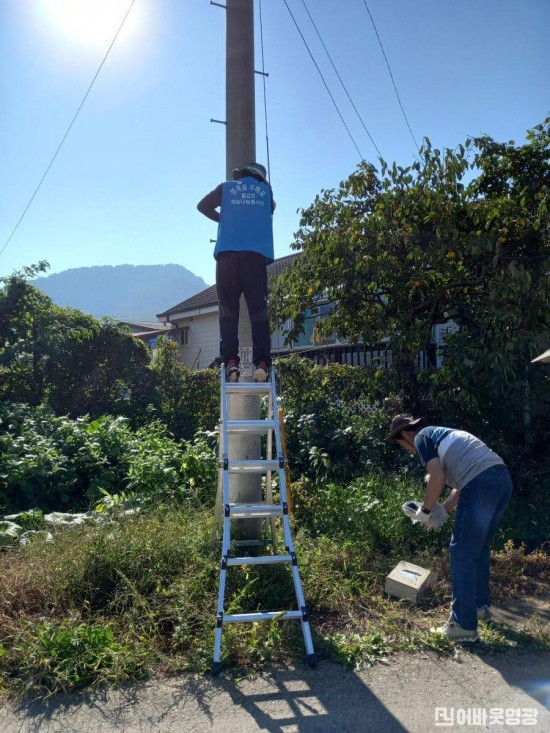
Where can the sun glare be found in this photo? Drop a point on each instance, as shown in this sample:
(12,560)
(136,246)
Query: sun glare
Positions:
(88,23)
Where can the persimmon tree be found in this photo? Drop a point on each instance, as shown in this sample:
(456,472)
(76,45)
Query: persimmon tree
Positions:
(459,234)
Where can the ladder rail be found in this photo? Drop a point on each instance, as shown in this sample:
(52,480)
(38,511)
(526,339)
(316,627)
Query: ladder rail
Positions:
(282,474)
(224,440)
(218,504)
(222,443)
(289,544)
(268,481)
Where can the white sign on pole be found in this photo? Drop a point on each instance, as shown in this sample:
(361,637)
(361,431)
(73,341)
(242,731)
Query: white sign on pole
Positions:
(246,366)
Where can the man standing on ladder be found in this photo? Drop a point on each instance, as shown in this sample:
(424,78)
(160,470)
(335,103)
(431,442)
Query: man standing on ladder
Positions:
(244,248)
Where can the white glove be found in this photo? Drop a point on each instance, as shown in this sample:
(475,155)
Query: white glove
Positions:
(434,520)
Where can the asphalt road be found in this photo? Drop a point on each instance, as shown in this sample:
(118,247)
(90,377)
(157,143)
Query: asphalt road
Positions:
(417,694)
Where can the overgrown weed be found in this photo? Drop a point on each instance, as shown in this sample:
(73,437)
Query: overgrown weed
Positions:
(112,603)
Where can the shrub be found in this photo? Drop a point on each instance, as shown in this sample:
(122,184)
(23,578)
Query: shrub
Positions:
(188,401)
(47,461)
(334,432)
(368,510)
(69,656)
(60,464)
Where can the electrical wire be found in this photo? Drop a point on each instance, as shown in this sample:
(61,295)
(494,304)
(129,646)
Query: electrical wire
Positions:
(68,130)
(391,75)
(265,94)
(340,79)
(323,79)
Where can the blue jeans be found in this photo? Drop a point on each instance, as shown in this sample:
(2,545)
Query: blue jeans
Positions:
(480,508)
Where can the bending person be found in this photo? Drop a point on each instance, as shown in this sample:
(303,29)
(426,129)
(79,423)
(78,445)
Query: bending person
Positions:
(481,489)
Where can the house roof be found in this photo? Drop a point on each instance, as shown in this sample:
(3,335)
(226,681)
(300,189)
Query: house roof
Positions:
(144,330)
(151,334)
(277,267)
(200,300)
(142,326)
(209,297)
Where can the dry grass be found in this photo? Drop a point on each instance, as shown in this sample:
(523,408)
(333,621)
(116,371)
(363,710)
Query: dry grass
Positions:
(147,589)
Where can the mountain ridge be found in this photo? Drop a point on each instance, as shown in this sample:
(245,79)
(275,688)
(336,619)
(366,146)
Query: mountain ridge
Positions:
(124,292)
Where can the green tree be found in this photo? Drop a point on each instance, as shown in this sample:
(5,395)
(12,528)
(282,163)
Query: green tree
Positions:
(22,340)
(188,401)
(458,234)
(65,358)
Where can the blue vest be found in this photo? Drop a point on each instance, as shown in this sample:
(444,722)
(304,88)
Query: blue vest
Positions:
(245,218)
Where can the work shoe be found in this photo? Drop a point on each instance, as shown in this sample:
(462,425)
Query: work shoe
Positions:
(262,372)
(232,372)
(484,613)
(454,632)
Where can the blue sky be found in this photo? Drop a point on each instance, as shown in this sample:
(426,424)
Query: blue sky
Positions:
(142,151)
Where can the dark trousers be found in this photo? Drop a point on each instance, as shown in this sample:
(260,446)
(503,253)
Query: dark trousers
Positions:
(236,273)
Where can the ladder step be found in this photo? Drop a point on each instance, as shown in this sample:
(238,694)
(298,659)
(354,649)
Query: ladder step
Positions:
(251,543)
(232,618)
(264,560)
(260,466)
(255,510)
(250,426)
(248,387)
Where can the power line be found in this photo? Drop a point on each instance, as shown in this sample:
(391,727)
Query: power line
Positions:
(391,75)
(265,94)
(340,79)
(323,80)
(68,130)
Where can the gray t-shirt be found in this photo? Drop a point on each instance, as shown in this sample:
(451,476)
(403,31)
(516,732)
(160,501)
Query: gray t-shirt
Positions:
(462,455)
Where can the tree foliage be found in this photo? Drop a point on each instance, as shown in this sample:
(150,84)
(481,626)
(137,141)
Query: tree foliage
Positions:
(333,430)
(67,359)
(79,365)
(187,401)
(461,234)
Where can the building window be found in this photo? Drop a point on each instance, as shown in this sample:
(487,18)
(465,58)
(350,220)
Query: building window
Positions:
(184,335)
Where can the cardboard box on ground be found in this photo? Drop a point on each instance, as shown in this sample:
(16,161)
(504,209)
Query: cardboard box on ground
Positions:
(409,581)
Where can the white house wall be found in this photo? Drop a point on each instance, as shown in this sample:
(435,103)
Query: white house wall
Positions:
(203,342)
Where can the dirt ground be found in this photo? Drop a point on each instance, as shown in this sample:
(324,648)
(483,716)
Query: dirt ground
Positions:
(420,693)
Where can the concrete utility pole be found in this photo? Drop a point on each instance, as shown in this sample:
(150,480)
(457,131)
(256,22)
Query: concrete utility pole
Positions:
(240,102)
(240,150)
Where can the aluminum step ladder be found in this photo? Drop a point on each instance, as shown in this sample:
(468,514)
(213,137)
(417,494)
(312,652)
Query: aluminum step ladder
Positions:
(226,511)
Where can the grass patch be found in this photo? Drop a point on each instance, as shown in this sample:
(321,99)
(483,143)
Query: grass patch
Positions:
(137,597)
(71,655)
